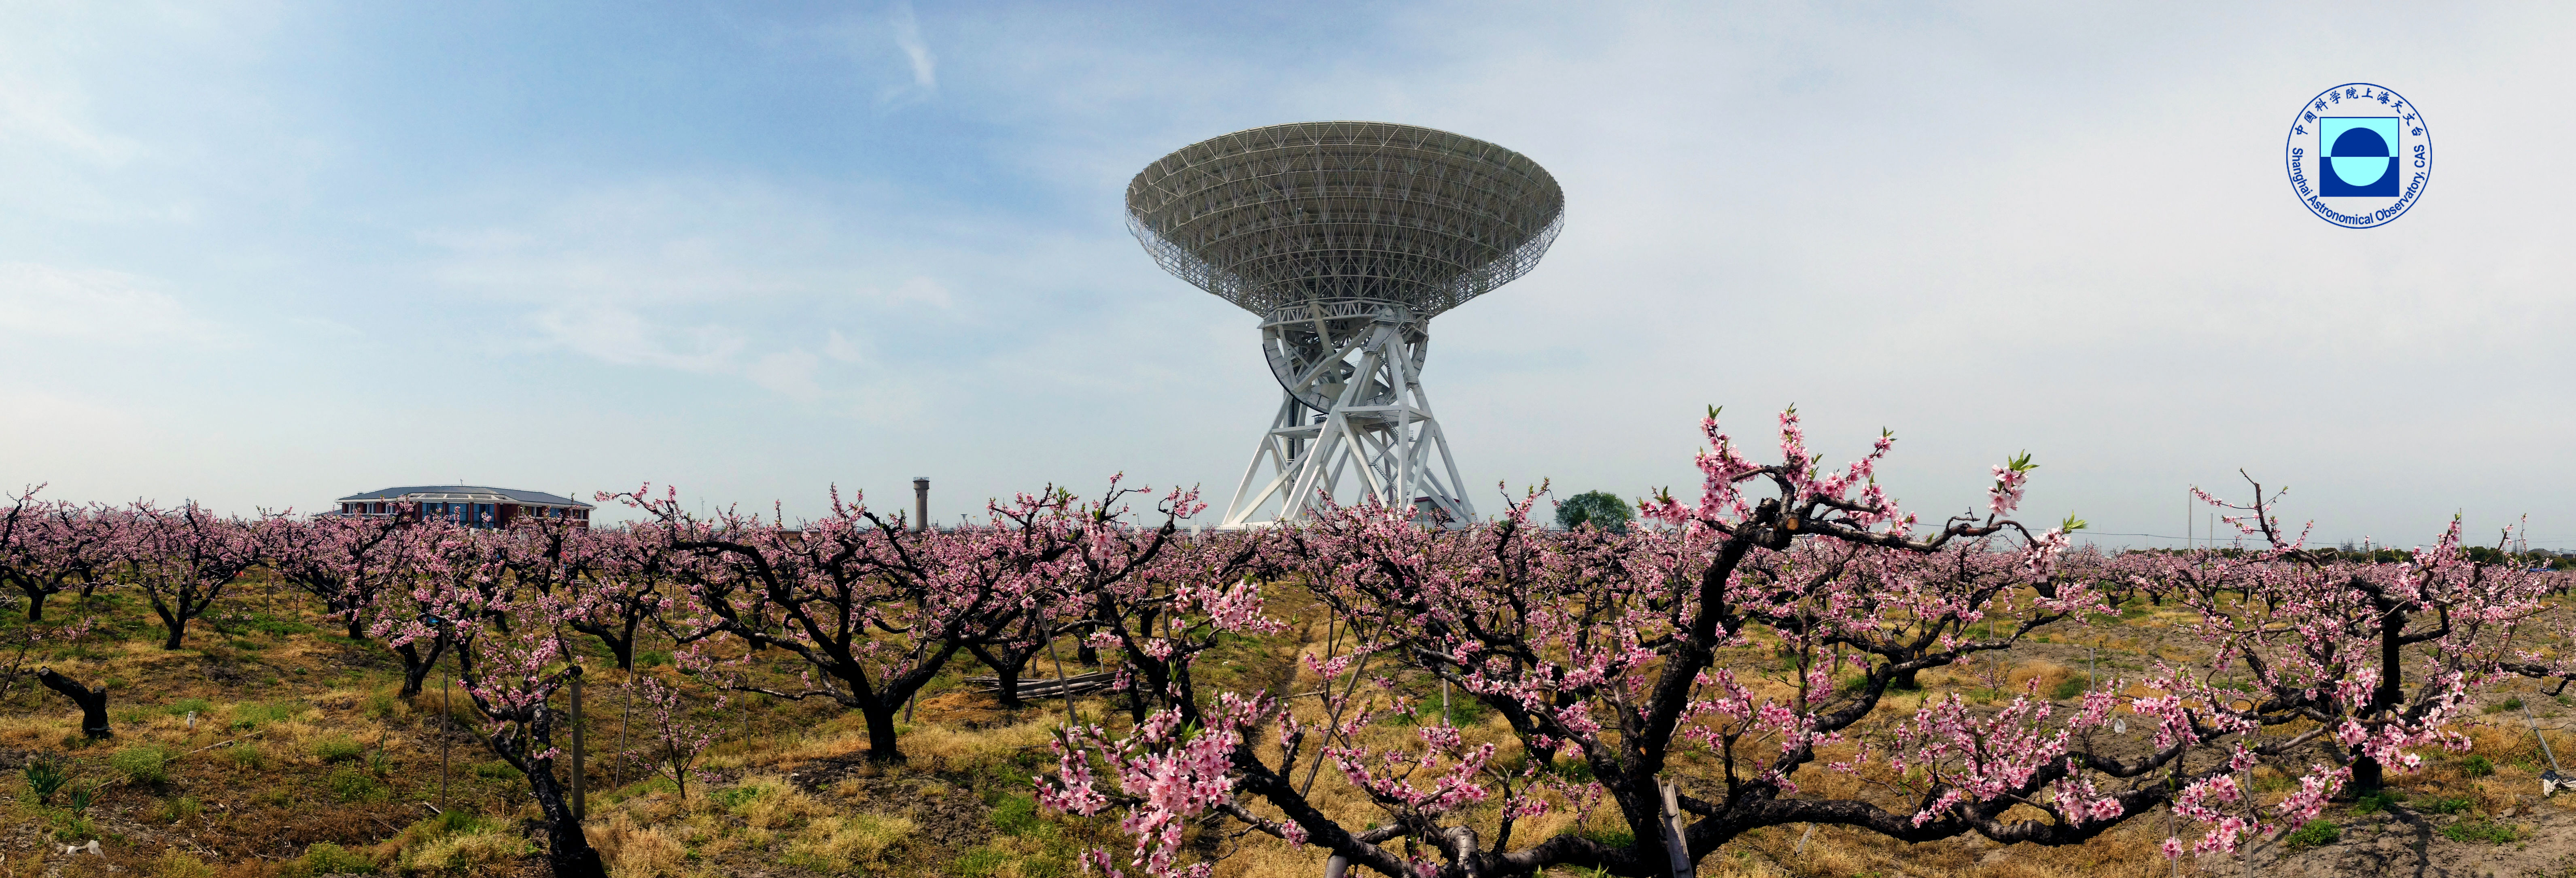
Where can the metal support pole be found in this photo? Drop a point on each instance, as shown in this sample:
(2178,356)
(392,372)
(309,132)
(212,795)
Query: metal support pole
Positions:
(1060,685)
(2551,781)
(580,766)
(920,503)
(447,724)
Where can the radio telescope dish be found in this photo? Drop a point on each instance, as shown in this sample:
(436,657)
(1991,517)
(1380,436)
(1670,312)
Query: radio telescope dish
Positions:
(1347,238)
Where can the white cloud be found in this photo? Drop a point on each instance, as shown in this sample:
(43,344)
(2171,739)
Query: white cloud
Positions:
(719,278)
(621,336)
(925,76)
(840,347)
(96,305)
(790,373)
(917,290)
(32,110)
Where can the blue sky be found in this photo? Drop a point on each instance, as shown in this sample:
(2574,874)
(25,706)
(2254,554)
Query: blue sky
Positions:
(267,254)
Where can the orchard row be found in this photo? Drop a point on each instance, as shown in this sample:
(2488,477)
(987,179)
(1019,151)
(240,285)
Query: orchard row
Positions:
(1602,655)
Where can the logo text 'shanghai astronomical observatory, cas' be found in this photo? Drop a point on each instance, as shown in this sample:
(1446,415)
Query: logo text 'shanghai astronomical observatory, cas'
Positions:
(1346,238)
(2359,155)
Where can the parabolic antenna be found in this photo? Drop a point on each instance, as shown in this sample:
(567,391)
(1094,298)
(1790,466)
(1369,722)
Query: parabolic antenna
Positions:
(1346,238)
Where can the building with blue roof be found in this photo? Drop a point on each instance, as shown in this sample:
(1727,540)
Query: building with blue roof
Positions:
(469,505)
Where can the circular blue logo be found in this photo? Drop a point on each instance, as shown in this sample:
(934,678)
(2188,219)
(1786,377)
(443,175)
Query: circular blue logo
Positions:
(2359,155)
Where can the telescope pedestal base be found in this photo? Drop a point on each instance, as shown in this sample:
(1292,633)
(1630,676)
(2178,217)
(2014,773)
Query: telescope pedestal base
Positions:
(1391,447)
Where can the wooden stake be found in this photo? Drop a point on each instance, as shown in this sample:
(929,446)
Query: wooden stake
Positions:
(617,770)
(1673,843)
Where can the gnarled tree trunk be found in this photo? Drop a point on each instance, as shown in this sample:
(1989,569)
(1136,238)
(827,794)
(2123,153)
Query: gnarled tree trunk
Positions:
(93,702)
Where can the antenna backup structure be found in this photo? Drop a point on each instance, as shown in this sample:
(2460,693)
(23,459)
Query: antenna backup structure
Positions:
(1346,238)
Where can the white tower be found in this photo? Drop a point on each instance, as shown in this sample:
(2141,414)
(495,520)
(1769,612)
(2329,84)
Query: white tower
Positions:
(1346,238)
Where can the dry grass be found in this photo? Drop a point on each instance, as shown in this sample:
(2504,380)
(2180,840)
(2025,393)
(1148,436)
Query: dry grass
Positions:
(635,851)
(484,852)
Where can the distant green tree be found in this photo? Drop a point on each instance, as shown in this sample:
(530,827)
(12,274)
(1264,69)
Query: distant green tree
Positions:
(1600,509)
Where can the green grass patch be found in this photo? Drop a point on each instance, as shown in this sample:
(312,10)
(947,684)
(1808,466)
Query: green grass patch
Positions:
(141,765)
(2071,687)
(496,770)
(71,826)
(272,625)
(1003,779)
(185,706)
(645,787)
(2477,766)
(249,716)
(246,756)
(176,863)
(338,749)
(733,797)
(1612,838)
(2487,831)
(325,858)
(2316,833)
(1018,815)
(180,808)
(2377,800)
(352,785)
(80,651)
(981,862)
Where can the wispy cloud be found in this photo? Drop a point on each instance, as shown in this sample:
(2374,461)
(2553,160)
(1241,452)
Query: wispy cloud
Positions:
(618,335)
(703,277)
(96,305)
(925,66)
(52,117)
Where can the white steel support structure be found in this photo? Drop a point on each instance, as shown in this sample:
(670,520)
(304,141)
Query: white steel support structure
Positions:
(1351,406)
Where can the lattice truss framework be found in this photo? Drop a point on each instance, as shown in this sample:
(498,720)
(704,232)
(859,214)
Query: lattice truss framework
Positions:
(1347,238)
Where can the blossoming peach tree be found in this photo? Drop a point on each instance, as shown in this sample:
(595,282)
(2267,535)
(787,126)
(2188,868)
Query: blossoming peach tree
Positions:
(1745,651)
(346,562)
(512,657)
(2376,661)
(181,559)
(48,547)
(872,609)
